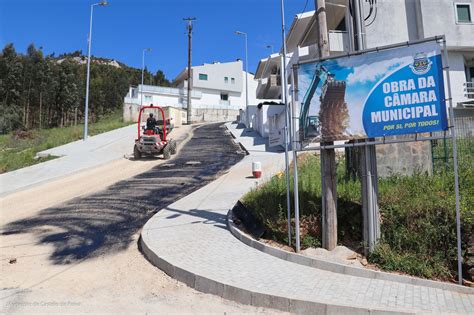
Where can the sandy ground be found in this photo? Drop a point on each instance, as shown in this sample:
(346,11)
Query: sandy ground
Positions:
(120,282)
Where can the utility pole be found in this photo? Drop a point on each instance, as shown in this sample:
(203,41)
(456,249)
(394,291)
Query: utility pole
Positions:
(368,159)
(190,43)
(328,156)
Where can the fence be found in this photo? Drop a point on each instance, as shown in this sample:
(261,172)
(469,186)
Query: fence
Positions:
(442,152)
(415,155)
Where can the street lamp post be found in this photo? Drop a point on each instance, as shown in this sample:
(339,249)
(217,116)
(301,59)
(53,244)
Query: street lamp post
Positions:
(246,78)
(143,71)
(86,110)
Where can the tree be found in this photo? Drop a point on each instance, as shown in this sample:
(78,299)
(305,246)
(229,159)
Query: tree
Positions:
(67,94)
(38,91)
(160,79)
(11,70)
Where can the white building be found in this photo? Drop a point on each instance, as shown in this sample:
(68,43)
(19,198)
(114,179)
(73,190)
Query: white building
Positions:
(395,21)
(406,20)
(392,21)
(218,92)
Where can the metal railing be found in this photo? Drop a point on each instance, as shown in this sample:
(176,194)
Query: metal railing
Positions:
(442,148)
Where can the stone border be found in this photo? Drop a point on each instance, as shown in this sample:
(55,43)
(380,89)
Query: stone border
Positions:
(258,299)
(236,142)
(336,267)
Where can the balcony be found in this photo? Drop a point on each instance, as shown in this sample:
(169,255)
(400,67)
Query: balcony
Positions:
(273,86)
(270,87)
(338,41)
(469,90)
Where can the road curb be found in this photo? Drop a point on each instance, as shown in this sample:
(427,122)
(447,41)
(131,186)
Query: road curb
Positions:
(245,296)
(336,267)
(234,139)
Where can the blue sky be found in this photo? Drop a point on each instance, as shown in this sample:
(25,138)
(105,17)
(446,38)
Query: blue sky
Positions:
(125,27)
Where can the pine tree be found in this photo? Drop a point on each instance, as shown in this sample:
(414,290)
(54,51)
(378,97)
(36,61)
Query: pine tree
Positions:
(48,91)
(160,79)
(11,70)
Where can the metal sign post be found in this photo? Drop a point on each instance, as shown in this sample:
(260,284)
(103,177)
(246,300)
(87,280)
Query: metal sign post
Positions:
(368,161)
(284,98)
(455,161)
(295,161)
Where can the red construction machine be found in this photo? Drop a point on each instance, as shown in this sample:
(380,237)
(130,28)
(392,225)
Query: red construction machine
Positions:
(152,134)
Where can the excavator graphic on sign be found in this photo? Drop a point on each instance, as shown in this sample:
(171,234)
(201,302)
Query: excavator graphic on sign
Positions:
(333,116)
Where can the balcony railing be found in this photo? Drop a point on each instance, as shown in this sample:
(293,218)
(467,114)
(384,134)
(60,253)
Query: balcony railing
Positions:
(161,90)
(274,80)
(468,89)
(338,41)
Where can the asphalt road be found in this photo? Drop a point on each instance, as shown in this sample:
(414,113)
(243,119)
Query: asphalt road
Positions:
(82,255)
(105,221)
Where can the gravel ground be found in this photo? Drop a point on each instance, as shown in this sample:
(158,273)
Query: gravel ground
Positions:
(81,255)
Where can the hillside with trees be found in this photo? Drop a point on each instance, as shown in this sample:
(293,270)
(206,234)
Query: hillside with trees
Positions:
(40,91)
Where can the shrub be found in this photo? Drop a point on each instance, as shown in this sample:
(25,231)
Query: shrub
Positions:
(418,215)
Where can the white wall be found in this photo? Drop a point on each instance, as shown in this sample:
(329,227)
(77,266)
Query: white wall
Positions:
(253,100)
(408,20)
(415,19)
(458,76)
(161,100)
(395,18)
(216,73)
(212,98)
(439,17)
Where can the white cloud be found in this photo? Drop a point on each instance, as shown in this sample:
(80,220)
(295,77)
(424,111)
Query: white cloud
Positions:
(374,71)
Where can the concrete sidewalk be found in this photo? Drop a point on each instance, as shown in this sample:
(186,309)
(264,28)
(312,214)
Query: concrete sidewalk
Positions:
(190,241)
(78,156)
(74,157)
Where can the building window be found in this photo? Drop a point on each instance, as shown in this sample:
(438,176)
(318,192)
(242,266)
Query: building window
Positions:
(232,80)
(226,79)
(463,13)
(148,97)
(224,97)
(203,76)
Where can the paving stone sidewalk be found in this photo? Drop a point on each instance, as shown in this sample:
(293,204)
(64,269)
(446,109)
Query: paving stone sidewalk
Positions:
(190,241)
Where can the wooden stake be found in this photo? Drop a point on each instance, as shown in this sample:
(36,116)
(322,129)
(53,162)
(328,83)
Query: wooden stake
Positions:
(328,156)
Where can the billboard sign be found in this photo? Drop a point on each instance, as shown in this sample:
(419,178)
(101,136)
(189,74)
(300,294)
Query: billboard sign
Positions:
(390,92)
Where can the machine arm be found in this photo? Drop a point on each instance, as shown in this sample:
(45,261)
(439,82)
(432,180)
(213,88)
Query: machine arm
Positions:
(320,72)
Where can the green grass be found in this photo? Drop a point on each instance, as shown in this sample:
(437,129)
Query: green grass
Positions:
(418,215)
(18,149)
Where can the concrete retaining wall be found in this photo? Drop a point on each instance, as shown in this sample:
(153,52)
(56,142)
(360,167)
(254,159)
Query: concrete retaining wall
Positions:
(210,115)
(404,158)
